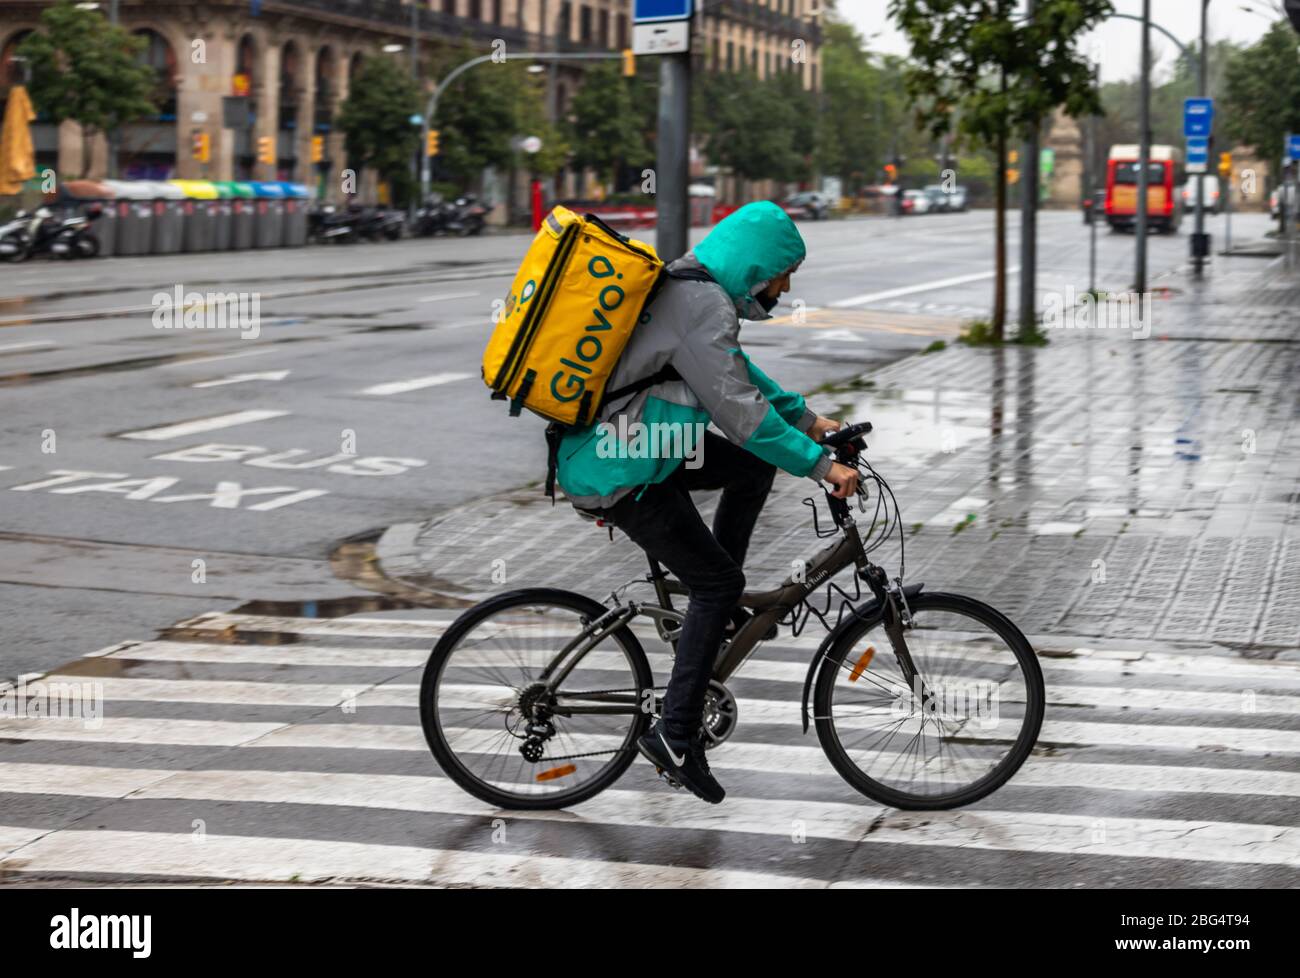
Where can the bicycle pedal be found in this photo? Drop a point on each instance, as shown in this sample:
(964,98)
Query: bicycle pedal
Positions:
(664,776)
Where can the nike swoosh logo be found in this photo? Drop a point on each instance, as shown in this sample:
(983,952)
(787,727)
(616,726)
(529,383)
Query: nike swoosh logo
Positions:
(679,761)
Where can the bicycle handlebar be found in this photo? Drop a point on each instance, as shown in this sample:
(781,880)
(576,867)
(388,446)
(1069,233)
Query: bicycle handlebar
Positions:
(847,434)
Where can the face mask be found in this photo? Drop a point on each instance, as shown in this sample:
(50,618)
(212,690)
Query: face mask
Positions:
(767,302)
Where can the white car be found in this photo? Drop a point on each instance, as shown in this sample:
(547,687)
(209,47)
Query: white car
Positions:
(1213,201)
(916,202)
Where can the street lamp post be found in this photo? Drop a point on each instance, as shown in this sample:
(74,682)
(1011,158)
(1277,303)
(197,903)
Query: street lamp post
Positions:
(1029,178)
(1198,257)
(431,107)
(1144,152)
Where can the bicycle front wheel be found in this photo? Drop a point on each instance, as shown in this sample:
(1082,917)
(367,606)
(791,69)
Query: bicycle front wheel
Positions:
(953,734)
(519,725)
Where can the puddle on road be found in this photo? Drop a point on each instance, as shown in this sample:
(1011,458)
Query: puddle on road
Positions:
(912,424)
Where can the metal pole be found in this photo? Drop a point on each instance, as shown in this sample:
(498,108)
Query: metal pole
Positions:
(114,135)
(411,202)
(1227,212)
(1144,153)
(672,166)
(1029,170)
(1198,262)
(431,107)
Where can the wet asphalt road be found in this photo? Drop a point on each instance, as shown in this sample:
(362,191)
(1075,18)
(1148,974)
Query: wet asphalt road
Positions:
(150,474)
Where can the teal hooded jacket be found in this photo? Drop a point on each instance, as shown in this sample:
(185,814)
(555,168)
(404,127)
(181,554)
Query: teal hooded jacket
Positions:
(694,326)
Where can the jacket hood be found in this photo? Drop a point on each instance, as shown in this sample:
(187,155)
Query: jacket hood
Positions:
(749,248)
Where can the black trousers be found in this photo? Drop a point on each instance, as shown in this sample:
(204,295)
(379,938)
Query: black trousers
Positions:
(666,525)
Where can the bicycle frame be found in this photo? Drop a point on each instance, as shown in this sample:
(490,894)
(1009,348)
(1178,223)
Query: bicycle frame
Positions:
(768,608)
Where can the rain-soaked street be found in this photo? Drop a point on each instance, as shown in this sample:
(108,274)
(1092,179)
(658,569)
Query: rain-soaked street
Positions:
(247,545)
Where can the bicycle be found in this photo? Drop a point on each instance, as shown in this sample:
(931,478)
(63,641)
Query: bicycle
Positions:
(535,699)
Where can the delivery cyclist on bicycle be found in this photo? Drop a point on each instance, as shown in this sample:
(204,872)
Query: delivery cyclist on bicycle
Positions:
(689,340)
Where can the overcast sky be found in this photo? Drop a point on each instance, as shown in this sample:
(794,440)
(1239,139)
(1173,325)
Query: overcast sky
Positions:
(1117,42)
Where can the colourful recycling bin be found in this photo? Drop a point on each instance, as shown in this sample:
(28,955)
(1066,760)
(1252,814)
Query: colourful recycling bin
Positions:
(296,199)
(199,209)
(134,208)
(270,215)
(168,217)
(243,213)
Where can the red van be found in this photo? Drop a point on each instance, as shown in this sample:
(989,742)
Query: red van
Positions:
(1164,204)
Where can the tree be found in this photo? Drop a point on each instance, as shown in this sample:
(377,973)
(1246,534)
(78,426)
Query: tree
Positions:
(1001,78)
(477,115)
(87,70)
(376,121)
(751,126)
(604,127)
(531,120)
(1262,99)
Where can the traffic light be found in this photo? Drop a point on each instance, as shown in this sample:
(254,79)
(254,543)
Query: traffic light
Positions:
(201,146)
(266,150)
(1013,157)
(1225,164)
(629,63)
(317,149)
(891,173)
(432,148)
(1013,176)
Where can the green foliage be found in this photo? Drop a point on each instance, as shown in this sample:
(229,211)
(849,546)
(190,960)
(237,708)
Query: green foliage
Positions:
(935,347)
(758,128)
(865,116)
(960,47)
(530,120)
(604,128)
(1261,103)
(477,115)
(978,70)
(979,332)
(375,119)
(87,70)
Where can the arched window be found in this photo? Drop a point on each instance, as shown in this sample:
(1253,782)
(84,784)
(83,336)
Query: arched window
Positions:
(290,80)
(159,56)
(324,89)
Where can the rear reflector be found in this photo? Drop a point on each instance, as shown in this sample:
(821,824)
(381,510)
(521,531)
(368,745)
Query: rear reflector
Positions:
(557,772)
(860,666)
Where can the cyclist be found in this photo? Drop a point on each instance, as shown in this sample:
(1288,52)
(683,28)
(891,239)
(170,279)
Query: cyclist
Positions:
(689,344)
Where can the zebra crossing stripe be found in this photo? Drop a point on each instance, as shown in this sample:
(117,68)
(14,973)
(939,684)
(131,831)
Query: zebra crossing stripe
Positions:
(356,627)
(1039,832)
(308,860)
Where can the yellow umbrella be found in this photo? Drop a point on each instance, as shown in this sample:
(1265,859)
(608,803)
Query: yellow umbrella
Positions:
(17,156)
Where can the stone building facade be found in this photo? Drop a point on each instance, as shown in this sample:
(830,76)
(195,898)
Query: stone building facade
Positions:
(293,61)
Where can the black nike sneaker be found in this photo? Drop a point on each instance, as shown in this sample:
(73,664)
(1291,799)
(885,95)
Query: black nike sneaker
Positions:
(681,763)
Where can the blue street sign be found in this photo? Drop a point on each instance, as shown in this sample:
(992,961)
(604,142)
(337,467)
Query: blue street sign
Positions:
(1198,116)
(1198,153)
(650,11)
(1293,148)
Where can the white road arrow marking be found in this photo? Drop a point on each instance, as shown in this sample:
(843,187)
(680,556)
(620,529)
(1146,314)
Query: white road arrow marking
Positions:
(414,384)
(183,428)
(243,378)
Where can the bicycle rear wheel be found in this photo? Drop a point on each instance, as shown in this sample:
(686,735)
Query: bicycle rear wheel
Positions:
(498,728)
(951,738)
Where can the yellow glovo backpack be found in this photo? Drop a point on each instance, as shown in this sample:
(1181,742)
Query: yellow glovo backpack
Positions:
(577,297)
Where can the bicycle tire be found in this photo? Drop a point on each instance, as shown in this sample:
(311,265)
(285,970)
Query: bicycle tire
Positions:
(447,758)
(1035,697)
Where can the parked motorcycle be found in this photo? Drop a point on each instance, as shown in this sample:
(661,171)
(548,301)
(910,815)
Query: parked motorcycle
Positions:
(379,223)
(42,231)
(462,216)
(354,223)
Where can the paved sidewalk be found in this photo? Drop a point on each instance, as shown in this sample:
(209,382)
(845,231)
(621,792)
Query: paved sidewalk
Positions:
(1101,487)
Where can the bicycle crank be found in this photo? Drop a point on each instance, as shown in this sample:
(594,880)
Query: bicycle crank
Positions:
(720,715)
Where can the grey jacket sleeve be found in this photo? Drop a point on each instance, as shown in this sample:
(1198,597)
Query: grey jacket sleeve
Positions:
(709,361)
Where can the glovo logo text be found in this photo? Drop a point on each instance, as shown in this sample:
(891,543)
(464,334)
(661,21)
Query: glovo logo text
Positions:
(570,381)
